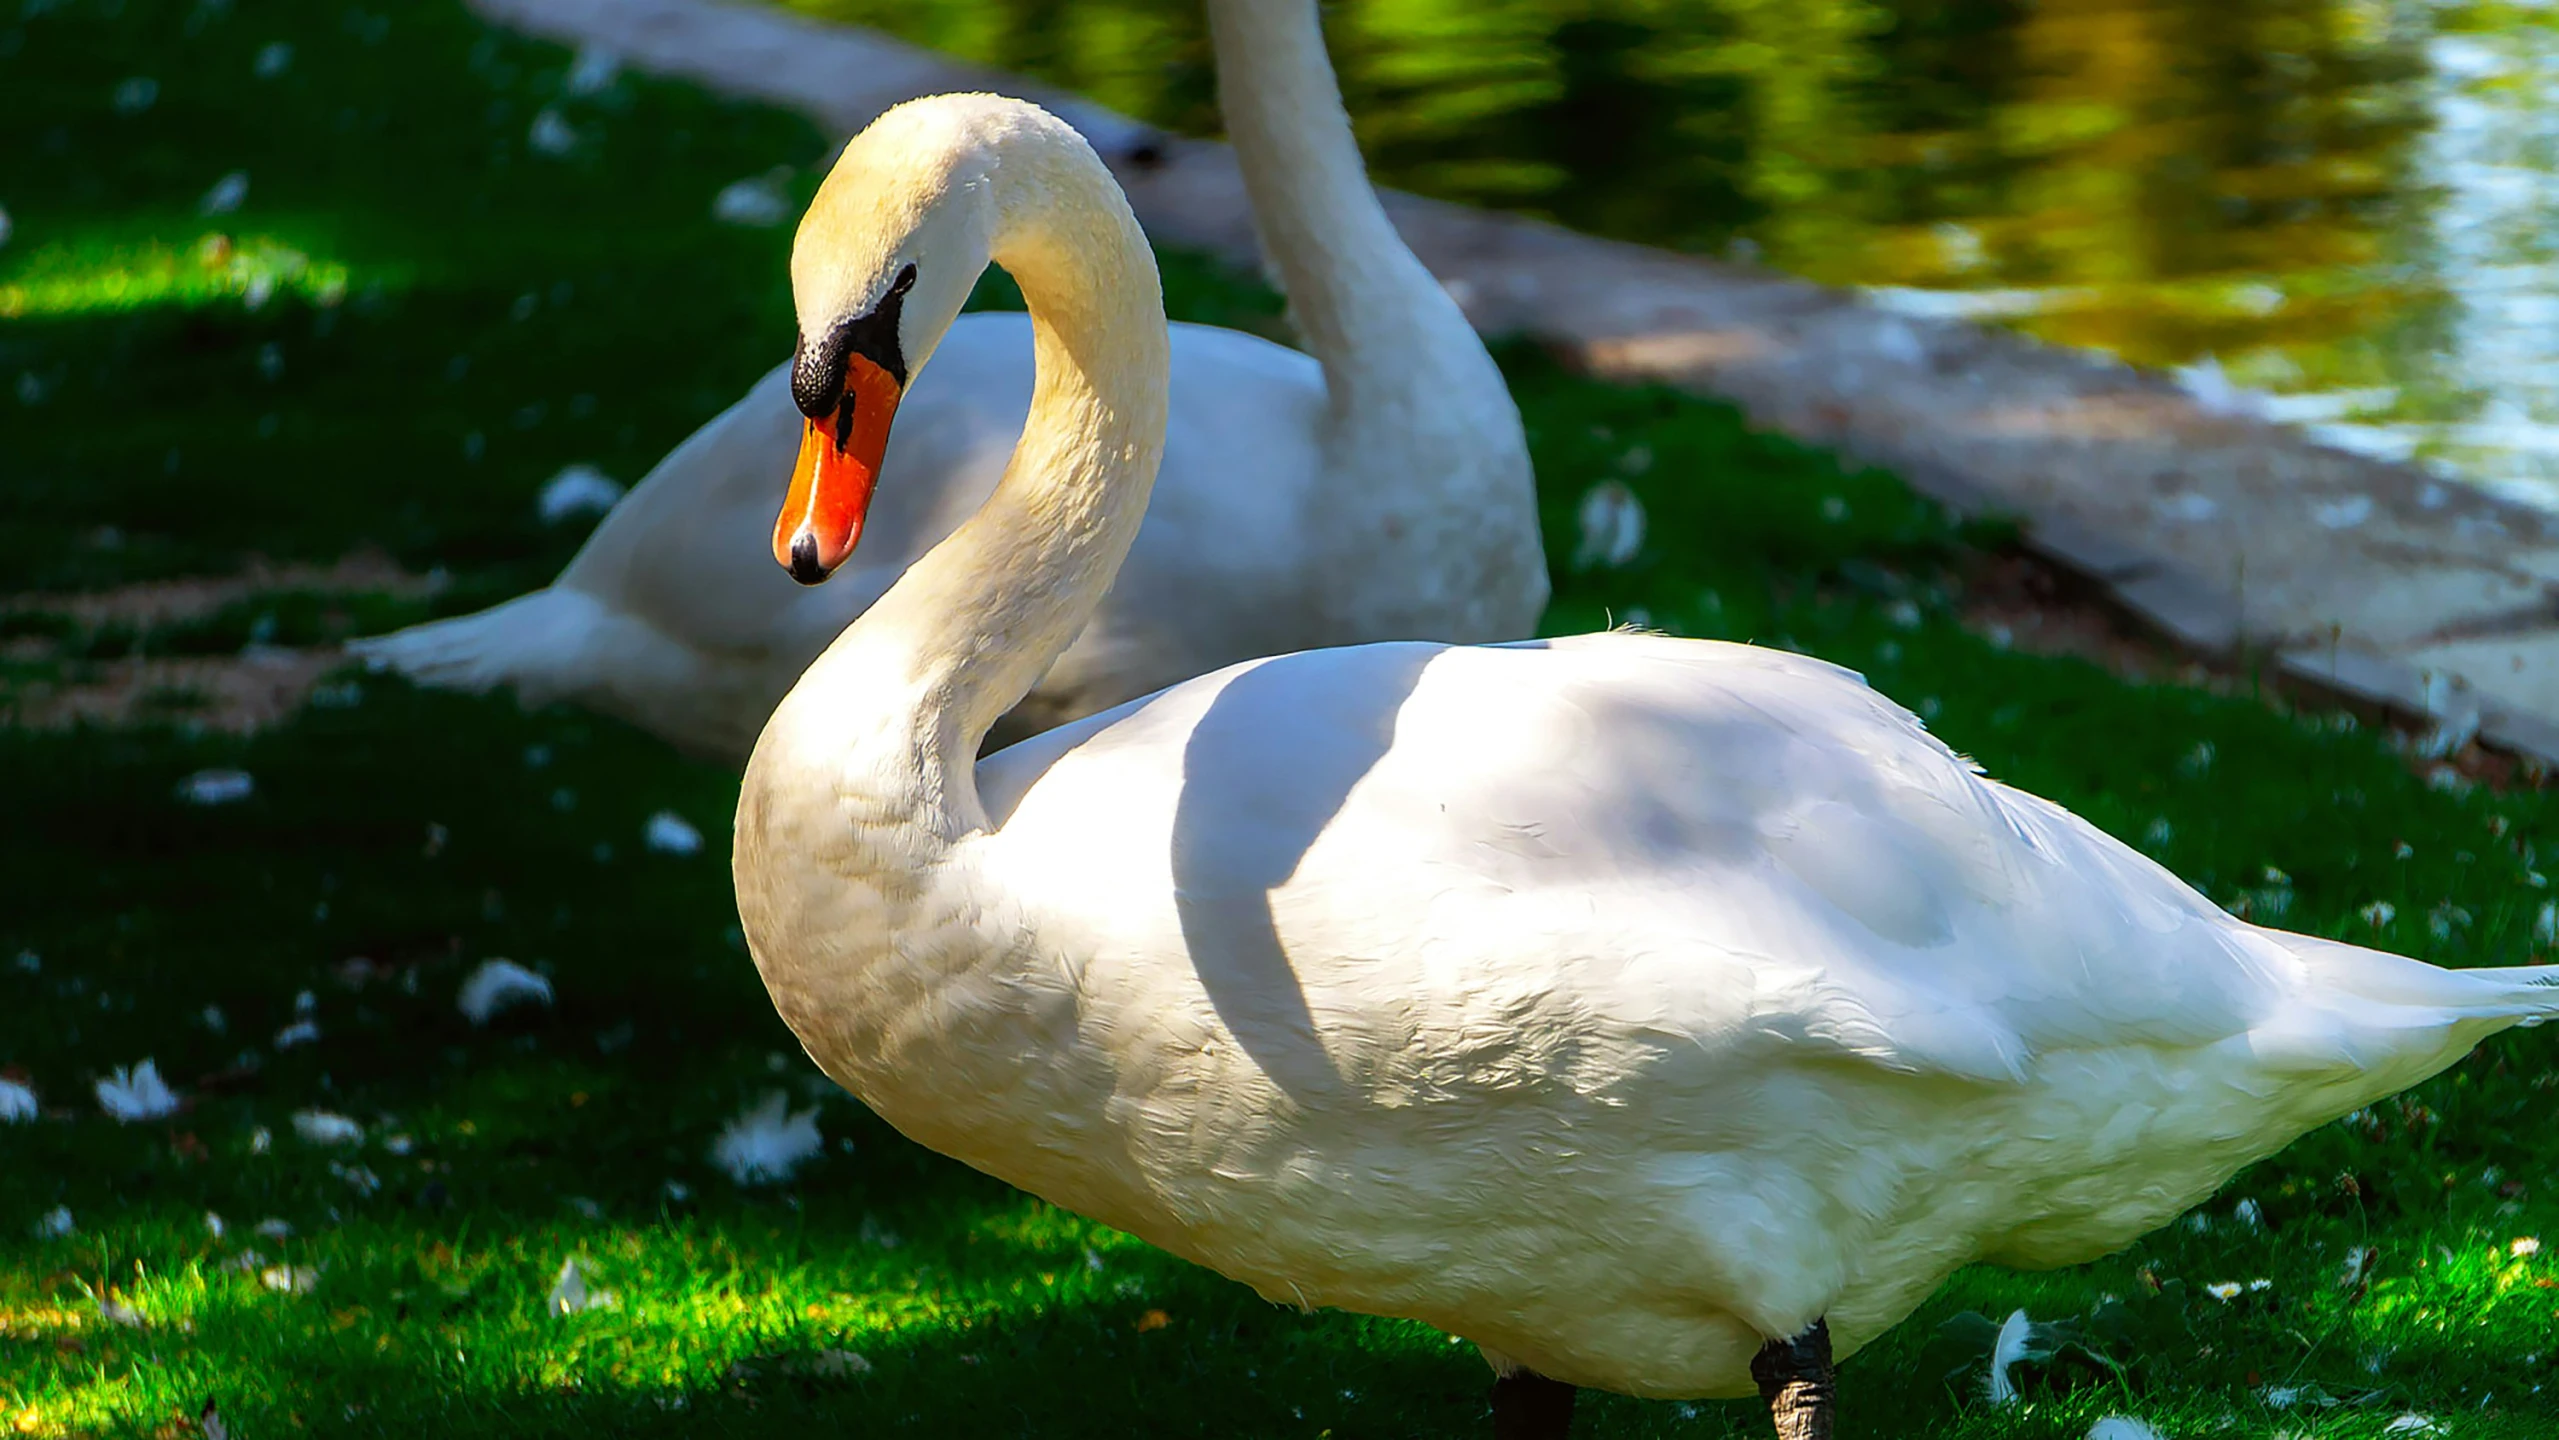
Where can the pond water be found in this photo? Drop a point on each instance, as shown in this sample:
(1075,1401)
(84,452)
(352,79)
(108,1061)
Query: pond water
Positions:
(2336,212)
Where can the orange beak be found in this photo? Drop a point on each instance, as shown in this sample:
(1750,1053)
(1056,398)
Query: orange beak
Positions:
(838,468)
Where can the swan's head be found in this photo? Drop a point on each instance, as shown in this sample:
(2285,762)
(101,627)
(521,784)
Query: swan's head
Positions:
(884,259)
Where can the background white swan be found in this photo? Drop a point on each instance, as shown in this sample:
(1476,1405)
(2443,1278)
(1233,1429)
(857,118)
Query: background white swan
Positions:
(1661,1015)
(1378,490)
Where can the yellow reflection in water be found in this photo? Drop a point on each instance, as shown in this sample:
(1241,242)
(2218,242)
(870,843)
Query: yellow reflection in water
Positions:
(2350,202)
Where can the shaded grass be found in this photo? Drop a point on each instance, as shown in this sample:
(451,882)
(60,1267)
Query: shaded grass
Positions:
(587,308)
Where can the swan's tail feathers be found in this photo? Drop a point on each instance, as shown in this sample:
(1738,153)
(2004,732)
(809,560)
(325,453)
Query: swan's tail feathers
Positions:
(536,644)
(2533,990)
(2526,994)
(2390,1020)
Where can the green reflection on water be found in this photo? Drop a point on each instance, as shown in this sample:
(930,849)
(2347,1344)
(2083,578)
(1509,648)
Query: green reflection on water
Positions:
(2346,202)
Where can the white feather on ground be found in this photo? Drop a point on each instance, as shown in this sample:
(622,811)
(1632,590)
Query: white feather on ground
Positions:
(758,202)
(671,834)
(136,1095)
(2009,1349)
(766,1144)
(577,490)
(2122,1427)
(592,71)
(573,1291)
(551,134)
(226,194)
(220,786)
(1612,526)
(322,1127)
(17,1103)
(500,985)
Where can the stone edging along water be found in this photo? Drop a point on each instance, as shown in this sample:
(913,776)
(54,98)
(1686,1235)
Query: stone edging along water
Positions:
(2375,580)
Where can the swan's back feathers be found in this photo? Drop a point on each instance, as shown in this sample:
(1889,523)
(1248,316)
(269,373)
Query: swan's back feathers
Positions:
(1715,840)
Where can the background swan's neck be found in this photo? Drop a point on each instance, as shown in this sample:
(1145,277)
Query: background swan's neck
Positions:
(1424,455)
(916,682)
(1359,297)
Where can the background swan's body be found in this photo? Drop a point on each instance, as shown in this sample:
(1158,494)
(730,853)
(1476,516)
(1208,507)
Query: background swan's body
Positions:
(673,618)
(1645,1010)
(1378,490)
(1618,1003)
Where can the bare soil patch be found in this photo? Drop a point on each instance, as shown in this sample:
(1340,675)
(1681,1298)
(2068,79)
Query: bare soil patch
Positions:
(236,693)
(192,597)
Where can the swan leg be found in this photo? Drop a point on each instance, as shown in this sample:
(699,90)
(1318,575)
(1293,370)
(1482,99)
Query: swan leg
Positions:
(1528,1406)
(1795,1379)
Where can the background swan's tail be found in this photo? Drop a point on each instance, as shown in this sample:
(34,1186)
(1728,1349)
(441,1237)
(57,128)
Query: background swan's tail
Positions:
(563,644)
(538,644)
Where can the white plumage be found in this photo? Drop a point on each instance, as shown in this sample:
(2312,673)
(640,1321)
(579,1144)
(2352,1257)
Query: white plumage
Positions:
(1544,992)
(1625,1004)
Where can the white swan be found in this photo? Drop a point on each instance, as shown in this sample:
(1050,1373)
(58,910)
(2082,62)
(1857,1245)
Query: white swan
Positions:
(1661,1015)
(1380,490)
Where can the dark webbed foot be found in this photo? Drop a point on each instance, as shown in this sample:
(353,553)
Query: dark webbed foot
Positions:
(1528,1406)
(1795,1379)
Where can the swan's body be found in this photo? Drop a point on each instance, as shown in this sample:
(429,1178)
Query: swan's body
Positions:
(1619,1003)
(1634,1007)
(1379,489)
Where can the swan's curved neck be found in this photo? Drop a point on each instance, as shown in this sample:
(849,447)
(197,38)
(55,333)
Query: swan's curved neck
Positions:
(1357,294)
(903,698)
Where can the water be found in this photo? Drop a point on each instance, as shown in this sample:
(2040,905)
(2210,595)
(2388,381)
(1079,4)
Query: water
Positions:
(2336,212)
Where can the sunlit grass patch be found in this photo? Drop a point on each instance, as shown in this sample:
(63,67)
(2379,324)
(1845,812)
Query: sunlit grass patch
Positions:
(74,279)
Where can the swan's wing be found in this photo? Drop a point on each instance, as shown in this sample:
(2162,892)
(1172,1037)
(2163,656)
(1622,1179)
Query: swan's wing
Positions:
(1687,842)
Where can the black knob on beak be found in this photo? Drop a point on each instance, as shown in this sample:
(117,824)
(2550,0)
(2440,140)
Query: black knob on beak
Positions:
(804,566)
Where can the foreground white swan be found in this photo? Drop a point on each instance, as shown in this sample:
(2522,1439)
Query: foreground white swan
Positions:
(1379,490)
(1662,1016)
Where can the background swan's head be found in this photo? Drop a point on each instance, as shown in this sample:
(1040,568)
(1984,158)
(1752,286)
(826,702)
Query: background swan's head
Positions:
(885,257)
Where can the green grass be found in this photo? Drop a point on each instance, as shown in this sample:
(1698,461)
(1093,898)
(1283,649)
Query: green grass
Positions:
(452,284)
